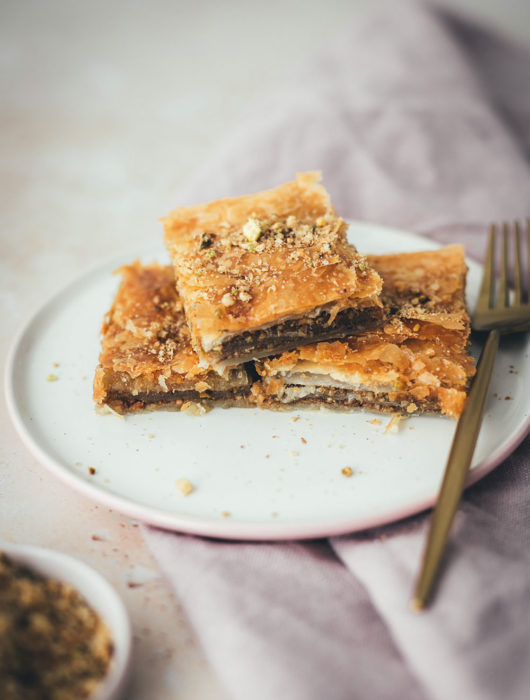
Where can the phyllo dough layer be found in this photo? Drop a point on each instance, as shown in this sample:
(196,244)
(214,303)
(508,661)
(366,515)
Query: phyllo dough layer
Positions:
(146,359)
(262,273)
(418,362)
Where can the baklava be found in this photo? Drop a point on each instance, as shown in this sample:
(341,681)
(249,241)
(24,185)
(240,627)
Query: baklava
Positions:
(146,359)
(264,273)
(418,362)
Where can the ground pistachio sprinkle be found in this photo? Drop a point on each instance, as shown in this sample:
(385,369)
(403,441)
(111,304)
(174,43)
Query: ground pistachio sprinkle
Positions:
(53,646)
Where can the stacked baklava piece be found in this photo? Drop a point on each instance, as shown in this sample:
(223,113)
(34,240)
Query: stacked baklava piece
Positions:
(266,303)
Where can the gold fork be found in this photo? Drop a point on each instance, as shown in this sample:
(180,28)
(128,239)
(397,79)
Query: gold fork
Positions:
(509,314)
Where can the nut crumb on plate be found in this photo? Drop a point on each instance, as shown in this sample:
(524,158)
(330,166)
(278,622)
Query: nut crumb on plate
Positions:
(393,424)
(184,486)
(194,409)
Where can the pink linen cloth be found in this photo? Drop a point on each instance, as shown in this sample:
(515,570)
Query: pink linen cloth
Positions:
(421,120)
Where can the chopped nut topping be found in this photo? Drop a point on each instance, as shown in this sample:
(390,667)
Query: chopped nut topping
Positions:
(184,486)
(202,386)
(206,240)
(228,299)
(252,230)
(263,235)
(244,296)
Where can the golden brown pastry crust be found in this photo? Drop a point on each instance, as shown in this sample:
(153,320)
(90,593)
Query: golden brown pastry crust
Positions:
(428,285)
(254,261)
(417,362)
(146,357)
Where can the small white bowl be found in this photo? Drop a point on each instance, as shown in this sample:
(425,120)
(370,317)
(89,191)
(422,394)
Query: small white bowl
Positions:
(98,593)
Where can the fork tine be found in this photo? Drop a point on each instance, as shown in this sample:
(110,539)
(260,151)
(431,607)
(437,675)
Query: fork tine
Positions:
(486,288)
(518,297)
(502,299)
(528,261)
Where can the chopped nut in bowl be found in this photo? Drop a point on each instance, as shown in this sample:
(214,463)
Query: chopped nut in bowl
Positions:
(64,631)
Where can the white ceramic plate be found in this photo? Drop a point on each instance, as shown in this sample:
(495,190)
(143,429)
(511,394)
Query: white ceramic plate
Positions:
(98,593)
(254,477)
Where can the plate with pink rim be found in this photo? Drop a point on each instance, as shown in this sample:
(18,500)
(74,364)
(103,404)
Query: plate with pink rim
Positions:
(257,474)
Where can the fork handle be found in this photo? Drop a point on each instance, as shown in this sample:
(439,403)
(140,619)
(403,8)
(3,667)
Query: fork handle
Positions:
(456,470)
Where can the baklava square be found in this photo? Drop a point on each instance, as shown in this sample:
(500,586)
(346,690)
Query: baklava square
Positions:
(418,362)
(146,358)
(264,273)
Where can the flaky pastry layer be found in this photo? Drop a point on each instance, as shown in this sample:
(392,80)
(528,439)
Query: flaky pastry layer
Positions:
(418,362)
(146,358)
(247,264)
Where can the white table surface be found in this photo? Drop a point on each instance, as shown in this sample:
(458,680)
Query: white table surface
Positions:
(106,110)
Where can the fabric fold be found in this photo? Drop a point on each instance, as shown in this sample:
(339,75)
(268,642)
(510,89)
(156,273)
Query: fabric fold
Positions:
(473,642)
(283,620)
